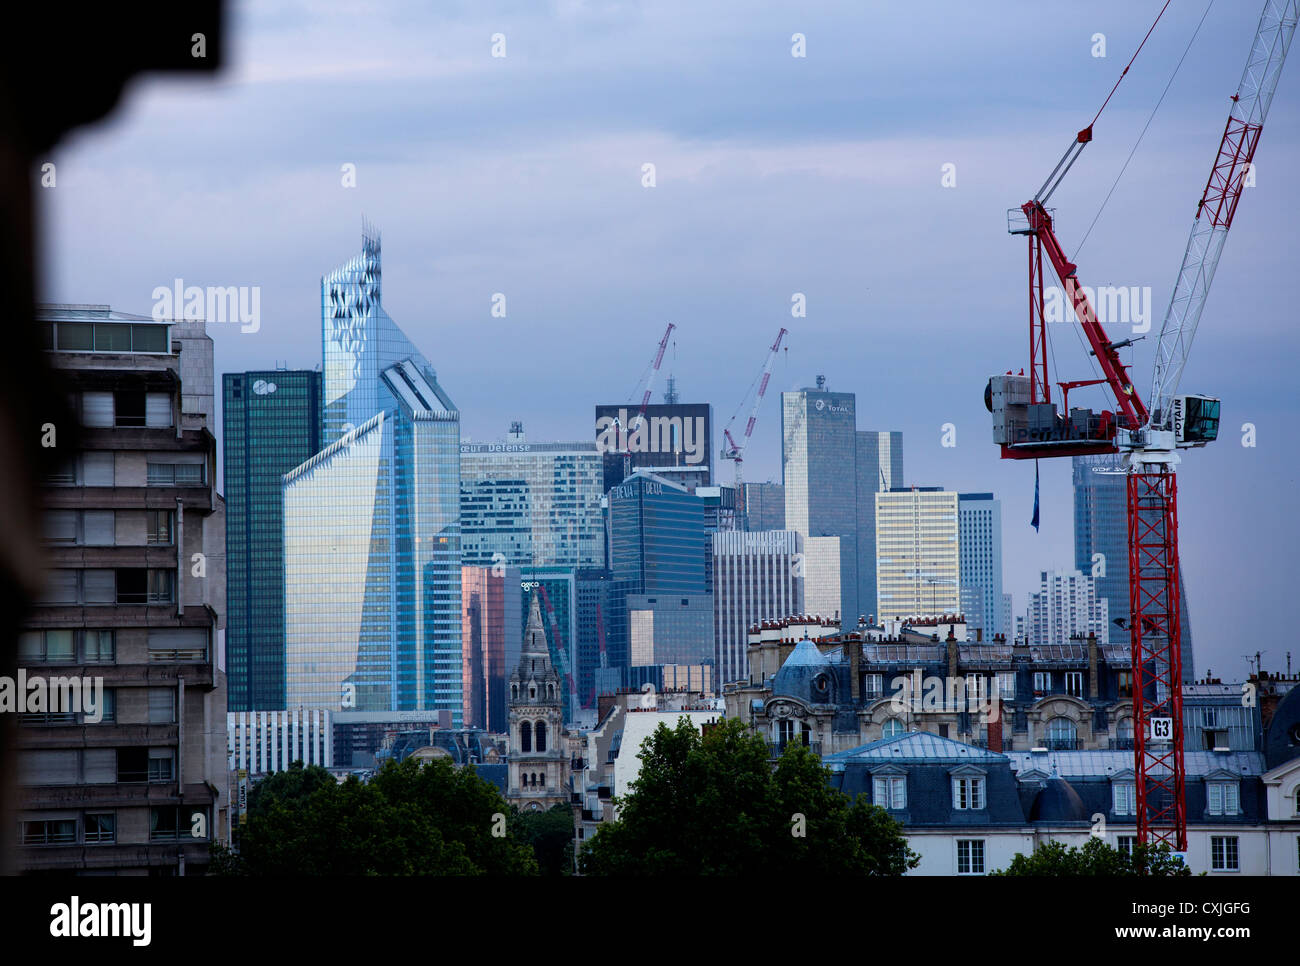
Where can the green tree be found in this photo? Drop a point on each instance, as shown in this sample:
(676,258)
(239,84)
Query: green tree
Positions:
(1097,858)
(410,819)
(712,804)
(549,834)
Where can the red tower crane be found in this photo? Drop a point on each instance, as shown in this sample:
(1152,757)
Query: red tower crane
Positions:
(1027,425)
(736,452)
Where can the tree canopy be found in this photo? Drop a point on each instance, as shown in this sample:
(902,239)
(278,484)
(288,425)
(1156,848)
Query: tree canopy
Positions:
(712,804)
(1097,858)
(409,819)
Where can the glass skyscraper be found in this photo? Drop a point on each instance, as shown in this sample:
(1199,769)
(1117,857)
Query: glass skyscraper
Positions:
(372,522)
(1101,528)
(531,503)
(272,423)
(819,470)
(657,533)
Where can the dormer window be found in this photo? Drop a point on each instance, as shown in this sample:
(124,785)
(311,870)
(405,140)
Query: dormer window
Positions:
(968,793)
(1123,798)
(1223,797)
(532,691)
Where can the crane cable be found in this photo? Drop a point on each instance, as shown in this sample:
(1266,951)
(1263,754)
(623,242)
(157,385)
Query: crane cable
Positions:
(1136,144)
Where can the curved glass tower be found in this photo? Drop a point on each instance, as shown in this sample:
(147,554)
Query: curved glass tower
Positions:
(372,522)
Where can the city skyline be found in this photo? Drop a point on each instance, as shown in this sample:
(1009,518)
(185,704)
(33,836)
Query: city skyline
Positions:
(816,166)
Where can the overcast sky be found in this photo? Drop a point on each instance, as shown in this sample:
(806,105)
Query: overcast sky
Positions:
(775,174)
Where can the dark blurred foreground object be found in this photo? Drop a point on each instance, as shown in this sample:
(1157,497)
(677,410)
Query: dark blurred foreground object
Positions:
(62,66)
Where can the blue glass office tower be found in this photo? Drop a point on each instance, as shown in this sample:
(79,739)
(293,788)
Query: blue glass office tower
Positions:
(657,533)
(979,527)
(1101,527)
(271,423)
(372,522)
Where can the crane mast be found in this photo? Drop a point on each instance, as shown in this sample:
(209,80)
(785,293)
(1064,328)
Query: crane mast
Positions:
(1179,422)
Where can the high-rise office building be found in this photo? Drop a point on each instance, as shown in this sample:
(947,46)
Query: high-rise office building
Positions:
(491,597)
(372,522)
(764,506)
(670,641)
(756,577)
(918,564)
(879,469)
(979,529)
(530,503)
(602,651)
(657,535)
(819,471)
(823,584)
(1066,605)
(669,435)
(1101,542)
(272,423)
(127,774)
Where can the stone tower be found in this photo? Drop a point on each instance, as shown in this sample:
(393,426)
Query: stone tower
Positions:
(538,760)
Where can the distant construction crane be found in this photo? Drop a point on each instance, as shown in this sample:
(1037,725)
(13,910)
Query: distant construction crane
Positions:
(731,450)
(645,401)
(1027,426)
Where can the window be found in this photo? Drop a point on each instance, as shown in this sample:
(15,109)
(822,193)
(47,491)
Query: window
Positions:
(112,338)
(96,469)
(1223,798)
(47,647)
(132,765)
(1124,683)
(76,335)
(175,474)
(1007,685)
(50,832)
(1042,681)
(98,528)
(1123,798)
(60,526)
(158,527)
(968,793)
(128,408)
(101,828)
(98,647)
(1074,683)
(1062,734)
(162,586)
(161,761)
(890,791)
(162,706)
(540,732)
(132,586)
(1223,853)
(525,736)
(872,685)
(970,856)
(1125,844)
(892,727)
(165,823)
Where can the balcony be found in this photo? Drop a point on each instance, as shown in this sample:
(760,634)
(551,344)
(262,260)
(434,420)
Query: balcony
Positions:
(1061,744)
(1121,744)
(775,749)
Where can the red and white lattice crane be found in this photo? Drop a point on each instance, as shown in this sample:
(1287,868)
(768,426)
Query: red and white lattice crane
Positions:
(1028,426)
